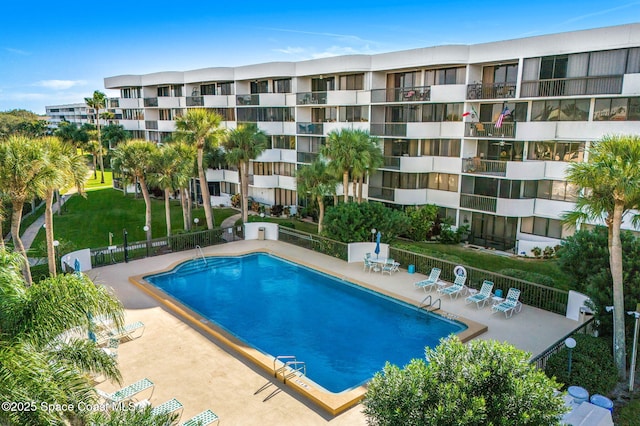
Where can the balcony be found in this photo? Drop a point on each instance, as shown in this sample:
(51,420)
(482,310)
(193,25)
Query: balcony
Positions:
(311,98)
(391,163)
(611,85)
(484,167)
(307,157)
(150,102)
(478,202)
(381,193)
(248,99)
(487,129)
(195,101)
(306,128)
(401,94)
(389,129)
(151,125)
(491,91)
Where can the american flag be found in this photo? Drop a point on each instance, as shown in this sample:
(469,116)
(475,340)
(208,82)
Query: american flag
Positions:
(501,117)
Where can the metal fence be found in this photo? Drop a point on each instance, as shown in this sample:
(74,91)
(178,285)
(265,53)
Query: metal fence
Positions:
(178,242)
(541,359)
(533,294)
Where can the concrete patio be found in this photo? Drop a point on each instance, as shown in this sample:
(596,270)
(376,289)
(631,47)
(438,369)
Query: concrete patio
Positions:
(201,372)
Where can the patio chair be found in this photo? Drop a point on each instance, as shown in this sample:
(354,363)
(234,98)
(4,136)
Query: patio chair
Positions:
(510,304)
(368,263)
(455,289)
(205,418)
(390,266)
(128,392)
(128,332)
(434,276)
(481,297)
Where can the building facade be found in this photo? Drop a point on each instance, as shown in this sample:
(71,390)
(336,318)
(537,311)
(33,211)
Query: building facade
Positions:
(80,114)
(484,131)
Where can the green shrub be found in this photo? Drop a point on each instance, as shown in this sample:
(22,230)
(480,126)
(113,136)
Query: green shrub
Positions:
(287,224)
(592,365)
(630,413)
(533,277)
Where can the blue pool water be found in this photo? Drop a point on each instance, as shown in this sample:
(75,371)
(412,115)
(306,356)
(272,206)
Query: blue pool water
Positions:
(343,332)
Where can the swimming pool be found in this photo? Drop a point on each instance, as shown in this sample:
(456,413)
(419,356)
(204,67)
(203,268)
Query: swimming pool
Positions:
(343,333)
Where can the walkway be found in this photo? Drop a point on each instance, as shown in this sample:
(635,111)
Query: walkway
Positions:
(31,232)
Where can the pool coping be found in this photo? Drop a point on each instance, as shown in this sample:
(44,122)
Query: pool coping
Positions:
(334,403)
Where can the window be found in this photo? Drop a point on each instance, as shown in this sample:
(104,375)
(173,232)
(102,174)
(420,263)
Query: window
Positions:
(261,86)
(450,75)
(557,190)
(164,114)
(553,67)
(441,147)
(560,110)
(544,227)
(556,151)
(353,113)
(225,88)
(505,73)
(285,197)
(164,91)
(228,188)
(352,82)
(207,89)
(262,169)
(283,142)
(177,90)
(324,84)
(443,182)
(130,92)
(268,114)
(132,114)
(617,109)
(282,85)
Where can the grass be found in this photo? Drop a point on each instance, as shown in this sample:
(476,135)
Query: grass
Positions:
(490,262)
(311,228)
(630,413)
(87,222)
(94,183)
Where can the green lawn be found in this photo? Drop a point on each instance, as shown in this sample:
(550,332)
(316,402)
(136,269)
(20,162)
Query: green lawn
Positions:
(86,222)
(93,184)
(490,262)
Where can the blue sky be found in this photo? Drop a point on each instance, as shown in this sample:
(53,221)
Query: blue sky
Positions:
(59,52)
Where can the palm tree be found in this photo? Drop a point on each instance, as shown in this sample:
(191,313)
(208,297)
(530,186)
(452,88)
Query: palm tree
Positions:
(168,164)
(611,187)
(183,175)
(196,127)
(316,180)
(22,166)
(97,102)
(376,160)
(346,148)
(36,362)
(242,145)
(64,167)
(113,134)
(134,160)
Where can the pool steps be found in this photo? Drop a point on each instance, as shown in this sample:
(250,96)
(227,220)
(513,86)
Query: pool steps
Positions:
(428,303)
(290,367)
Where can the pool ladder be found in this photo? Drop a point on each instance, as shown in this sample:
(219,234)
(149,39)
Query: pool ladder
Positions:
(199,250)
(290,367)
(427,303)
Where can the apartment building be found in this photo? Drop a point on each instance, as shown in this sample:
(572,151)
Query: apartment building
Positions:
(484,131)
(79,114)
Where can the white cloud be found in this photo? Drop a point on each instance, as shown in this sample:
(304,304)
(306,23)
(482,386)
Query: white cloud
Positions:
(17,51)
(291,50)
(60,84)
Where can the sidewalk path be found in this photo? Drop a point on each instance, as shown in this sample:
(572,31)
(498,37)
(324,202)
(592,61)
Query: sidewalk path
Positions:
(32,231)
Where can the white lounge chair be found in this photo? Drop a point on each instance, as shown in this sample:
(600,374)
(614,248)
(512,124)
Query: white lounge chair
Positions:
(205,418)
(128,332)
(166,407)
(455,289)
(434,276)
(481,297)
(128,392)
(368,263)
(510,304)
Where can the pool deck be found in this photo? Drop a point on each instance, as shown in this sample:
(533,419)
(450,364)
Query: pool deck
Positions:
(202,372)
